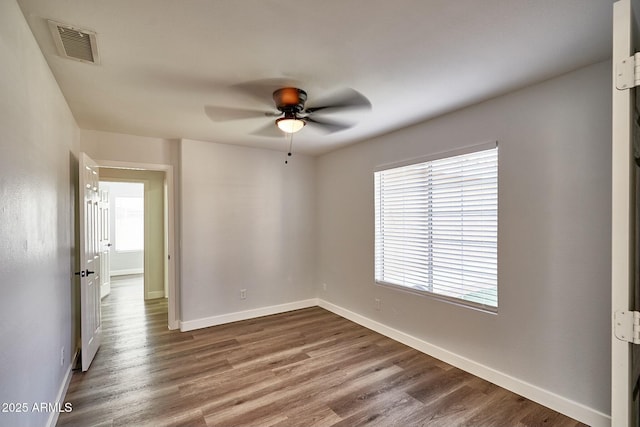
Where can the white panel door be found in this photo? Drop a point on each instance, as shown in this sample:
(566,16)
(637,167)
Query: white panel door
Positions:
(624,356)
(105,244)
(89,217)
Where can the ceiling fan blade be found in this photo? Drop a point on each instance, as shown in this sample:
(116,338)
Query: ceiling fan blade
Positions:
(327,126)
(346,98)
(269,130)
(221,114)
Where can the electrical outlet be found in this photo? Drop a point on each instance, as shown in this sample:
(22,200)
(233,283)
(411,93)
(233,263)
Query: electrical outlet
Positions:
(324,287)
(377,304)
(62,356)
(243,294)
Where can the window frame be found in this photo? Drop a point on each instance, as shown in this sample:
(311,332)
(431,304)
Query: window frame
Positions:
(427,293)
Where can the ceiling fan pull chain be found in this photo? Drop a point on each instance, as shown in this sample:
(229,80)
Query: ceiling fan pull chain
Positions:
(290,146)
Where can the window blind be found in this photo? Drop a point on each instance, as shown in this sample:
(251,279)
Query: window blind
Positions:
(436,227)
(129,223)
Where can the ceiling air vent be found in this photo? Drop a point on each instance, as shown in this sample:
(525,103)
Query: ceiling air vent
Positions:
(75,43)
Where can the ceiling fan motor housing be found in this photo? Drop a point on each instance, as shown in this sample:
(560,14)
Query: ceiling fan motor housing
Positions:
(290,99)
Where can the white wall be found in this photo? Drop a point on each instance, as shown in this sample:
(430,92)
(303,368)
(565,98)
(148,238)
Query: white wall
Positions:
(552,328)
(101,145)
(248,222)
(38,185)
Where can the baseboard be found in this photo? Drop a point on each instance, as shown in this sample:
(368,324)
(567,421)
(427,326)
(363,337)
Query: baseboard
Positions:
(126,272)
(544,397)
(62,392)
(190,325)
(155,294)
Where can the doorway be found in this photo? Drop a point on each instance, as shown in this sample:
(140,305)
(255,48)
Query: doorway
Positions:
(158,265)
(124,256)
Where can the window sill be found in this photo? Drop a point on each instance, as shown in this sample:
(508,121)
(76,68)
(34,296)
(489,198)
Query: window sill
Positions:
(450,300)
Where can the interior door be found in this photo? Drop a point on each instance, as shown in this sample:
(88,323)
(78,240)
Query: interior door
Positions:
(89,217)
(624,266)
(105,244)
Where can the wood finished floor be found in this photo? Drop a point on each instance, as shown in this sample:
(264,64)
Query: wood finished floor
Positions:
(303,368)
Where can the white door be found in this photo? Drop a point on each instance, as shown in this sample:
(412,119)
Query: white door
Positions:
(105,244)
(624,214)
(89,217)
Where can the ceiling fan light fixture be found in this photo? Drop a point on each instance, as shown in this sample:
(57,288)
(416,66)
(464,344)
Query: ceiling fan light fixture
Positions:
(290,124)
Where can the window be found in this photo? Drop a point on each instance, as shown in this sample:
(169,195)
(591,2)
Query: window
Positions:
(129,225)
(436,227)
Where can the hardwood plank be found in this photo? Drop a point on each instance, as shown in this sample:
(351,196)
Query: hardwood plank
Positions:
(443,383)
(304,383)
(317,417)
(389,414)
(371,395)
(302,368)
(452,409)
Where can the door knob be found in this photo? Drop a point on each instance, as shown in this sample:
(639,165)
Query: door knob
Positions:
(84,273)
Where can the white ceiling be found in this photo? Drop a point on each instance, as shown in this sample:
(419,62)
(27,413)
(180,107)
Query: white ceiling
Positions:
(164,61)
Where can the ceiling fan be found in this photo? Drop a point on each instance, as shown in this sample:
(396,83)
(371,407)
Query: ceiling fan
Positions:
(292,114)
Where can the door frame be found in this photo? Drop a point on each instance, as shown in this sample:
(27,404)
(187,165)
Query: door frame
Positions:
(145,184)
(170,262)
(622,214)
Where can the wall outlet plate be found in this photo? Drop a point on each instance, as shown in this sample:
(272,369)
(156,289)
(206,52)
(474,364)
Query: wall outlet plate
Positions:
(243,294)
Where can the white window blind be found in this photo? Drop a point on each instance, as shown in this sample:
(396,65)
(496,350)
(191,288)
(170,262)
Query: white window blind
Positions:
(129,226)
(436,227)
